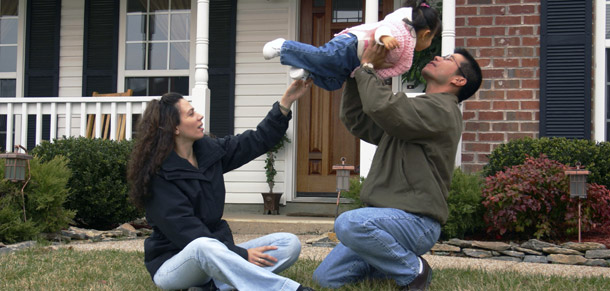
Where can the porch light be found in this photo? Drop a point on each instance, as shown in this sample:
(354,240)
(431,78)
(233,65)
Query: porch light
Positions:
(343,172)
(14,167)
(578,187)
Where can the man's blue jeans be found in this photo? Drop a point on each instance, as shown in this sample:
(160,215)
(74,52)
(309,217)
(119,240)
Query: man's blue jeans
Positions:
(377,243)
(328,65)
(206,259)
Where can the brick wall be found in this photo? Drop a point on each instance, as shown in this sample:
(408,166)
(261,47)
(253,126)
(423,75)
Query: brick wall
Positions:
(504,36)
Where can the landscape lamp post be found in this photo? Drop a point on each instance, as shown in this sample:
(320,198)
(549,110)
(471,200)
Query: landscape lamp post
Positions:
(343,172)
(14,170)
(578,187)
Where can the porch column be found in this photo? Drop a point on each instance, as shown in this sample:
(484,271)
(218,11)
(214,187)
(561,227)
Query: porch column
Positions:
(201,93)
(447,47)
(599,96)
(367,150)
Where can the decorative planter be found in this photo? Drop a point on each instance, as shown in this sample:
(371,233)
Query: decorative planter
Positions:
(272,203)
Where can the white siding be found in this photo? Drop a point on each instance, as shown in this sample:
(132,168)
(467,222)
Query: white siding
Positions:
(258,84)
(71,48)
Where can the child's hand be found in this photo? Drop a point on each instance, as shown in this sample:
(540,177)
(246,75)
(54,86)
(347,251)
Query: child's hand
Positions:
(376,54)
(389,42)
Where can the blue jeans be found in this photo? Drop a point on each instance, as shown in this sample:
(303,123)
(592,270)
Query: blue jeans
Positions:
(377,243)
(328,65)
(206,259)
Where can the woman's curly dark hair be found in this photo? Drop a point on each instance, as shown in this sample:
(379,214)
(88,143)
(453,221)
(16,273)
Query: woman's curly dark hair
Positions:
(155,141)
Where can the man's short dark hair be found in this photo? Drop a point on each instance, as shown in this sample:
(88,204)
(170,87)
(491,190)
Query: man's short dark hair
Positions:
(473,75)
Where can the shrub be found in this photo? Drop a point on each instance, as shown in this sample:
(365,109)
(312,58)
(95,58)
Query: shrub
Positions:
(533,199)
(595,157)
(43,200)
(98,187)
(465,208)
(355,185)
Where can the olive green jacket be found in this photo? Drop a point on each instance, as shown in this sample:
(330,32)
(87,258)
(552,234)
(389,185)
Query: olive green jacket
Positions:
(416,142)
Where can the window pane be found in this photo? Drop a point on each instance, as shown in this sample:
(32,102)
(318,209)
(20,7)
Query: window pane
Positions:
(180,27)
(159,5)
(181,5)
(136,27)
(136,6)
(7,88)
(8,59)
(158,86)
(157,57)
(8,8)
(319,3)
(138,85)
(347,11)
(8,31)
(179,56)
(134,56)
(179,85)
(158,27)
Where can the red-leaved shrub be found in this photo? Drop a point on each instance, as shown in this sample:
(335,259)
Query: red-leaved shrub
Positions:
(533,199)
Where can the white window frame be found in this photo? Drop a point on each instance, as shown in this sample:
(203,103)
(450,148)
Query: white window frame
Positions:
(122,73)
(18,74)
(601,44)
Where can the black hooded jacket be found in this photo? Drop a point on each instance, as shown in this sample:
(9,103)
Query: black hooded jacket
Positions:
(186,203)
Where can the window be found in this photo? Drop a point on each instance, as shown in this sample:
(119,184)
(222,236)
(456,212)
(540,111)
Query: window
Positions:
(9,27)
(347,11)
(157,46)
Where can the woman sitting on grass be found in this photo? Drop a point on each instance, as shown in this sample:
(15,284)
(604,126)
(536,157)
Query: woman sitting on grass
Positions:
(176,174)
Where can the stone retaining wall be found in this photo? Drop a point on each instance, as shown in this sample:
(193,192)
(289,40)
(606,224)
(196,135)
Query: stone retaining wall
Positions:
(532,251)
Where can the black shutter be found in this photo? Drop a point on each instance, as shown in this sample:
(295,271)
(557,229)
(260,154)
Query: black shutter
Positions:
(46,130)
(565,68)
(42,48)
(222,66)
(3,120)
(101,46)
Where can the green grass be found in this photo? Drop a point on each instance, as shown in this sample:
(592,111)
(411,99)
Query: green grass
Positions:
(64,269)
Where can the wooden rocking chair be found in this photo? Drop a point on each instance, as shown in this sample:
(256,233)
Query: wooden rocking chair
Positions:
(121,119)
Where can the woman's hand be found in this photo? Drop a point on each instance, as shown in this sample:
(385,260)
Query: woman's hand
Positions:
(258,257)
(296,90)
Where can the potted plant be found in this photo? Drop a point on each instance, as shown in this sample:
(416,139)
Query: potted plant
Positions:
(271,199)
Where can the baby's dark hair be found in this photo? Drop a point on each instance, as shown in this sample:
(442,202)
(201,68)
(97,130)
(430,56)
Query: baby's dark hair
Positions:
(424,17)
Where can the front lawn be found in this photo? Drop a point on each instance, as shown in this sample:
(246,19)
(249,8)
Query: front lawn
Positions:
(65,269)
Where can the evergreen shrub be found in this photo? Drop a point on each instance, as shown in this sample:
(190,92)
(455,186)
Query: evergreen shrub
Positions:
(355,185)
(42,199)
(98,186)
(465,208)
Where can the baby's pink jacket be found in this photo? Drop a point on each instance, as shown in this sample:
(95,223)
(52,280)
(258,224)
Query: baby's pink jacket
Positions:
(402,56)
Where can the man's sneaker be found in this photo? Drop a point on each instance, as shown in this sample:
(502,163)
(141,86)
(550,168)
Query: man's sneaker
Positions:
(298,73)
(422,281)
(272,49)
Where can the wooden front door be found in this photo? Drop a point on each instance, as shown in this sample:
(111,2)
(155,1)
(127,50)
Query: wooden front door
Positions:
(322,137)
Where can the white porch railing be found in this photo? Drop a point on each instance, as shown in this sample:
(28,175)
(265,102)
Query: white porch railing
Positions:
(18,109)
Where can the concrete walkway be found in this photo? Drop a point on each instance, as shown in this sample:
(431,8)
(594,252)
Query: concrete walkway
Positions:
(248,223)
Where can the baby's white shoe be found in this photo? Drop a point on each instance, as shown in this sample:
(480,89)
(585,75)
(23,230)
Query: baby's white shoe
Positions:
(298,73)
(272,49)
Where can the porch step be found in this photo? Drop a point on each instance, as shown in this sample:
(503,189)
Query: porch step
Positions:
(254,223)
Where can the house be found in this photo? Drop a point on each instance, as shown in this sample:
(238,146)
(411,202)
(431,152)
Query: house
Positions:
(537,59)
